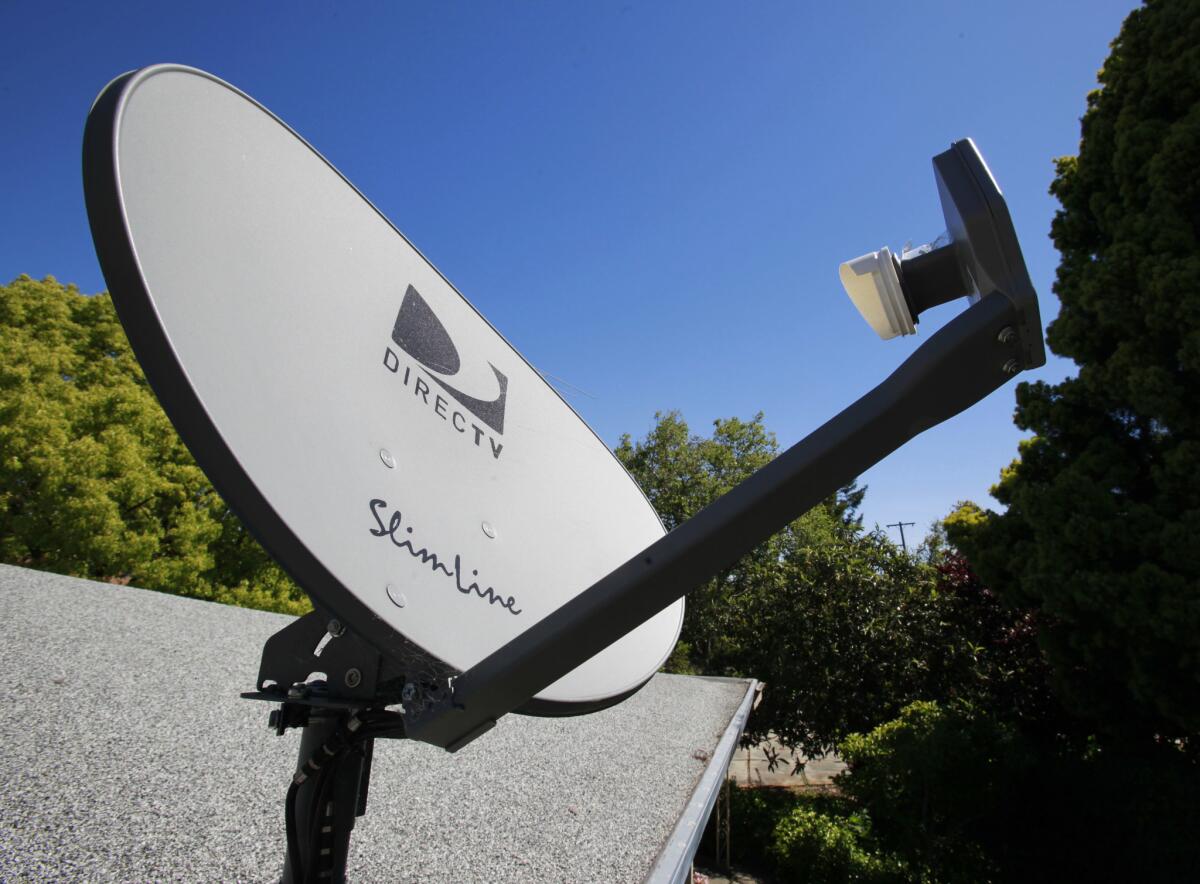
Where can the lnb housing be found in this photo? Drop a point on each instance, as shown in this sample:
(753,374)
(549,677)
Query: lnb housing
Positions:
(978,255)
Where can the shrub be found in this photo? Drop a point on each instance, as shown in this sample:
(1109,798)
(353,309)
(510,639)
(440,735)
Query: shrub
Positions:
(966,797)
(806,837)
(813,845)
(753,815)
(934,781)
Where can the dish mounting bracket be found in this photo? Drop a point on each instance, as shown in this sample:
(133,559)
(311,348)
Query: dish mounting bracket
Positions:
(318,661)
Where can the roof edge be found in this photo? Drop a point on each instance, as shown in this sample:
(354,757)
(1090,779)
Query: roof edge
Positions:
(674,862)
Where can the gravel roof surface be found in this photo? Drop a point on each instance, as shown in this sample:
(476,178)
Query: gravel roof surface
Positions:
(128,756)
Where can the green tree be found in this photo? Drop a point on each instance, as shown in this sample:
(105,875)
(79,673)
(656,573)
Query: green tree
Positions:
(681,474)
(94,480)
(1103,504)
(842,626)
(848,632)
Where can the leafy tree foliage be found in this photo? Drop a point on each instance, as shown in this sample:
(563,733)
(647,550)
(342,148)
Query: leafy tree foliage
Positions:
(1005,673)
(819,846)
(931,781)
(843,627)
(936,545)
(94,480)
(680,475)
(808,836)
(961,794)
(1104,501)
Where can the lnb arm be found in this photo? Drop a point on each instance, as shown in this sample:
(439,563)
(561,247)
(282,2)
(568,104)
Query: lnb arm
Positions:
(972,355)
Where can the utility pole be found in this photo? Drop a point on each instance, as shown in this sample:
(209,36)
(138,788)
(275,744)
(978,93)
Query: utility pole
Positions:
(900,525)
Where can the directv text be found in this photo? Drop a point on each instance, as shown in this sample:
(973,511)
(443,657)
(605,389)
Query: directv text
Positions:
(439,404)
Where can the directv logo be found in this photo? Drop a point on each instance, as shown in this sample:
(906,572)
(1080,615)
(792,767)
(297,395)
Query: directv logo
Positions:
(421,335)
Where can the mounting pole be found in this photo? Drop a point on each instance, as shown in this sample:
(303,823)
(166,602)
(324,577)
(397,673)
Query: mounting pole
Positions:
(346,799)
(349,669)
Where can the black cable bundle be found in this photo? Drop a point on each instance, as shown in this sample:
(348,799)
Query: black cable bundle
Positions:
(356,730)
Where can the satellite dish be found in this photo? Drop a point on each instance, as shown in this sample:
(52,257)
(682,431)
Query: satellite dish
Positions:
(413,473)
(471,547)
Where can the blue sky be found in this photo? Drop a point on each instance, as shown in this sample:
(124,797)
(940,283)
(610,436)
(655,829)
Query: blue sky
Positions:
(649,200)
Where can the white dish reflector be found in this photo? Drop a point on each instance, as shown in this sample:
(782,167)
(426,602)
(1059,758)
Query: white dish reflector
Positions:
(410,469)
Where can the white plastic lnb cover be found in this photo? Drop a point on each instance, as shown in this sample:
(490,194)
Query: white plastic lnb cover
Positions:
(873,285)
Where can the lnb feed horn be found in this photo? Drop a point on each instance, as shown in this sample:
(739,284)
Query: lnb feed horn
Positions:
(891,292)
(978,254)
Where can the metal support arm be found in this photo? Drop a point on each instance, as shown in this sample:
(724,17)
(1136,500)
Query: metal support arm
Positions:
(971,356)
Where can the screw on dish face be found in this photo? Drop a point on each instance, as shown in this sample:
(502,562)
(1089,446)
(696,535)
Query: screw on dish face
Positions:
(1007,335)
(335,628)
(409,693)
(1011,367)
(386,457)
(353,678)
(488,530)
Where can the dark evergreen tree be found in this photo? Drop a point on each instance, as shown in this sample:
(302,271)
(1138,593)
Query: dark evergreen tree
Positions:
(1103,506)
